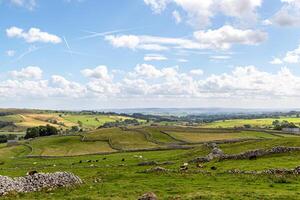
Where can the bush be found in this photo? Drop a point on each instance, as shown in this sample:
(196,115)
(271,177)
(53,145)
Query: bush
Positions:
(3,138)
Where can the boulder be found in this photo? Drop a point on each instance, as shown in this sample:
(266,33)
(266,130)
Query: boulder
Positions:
(148,196)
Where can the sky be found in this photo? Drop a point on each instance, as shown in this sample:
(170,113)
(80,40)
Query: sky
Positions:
(91,54)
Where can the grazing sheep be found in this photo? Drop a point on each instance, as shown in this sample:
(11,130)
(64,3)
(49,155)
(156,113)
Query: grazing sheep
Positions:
(184,167)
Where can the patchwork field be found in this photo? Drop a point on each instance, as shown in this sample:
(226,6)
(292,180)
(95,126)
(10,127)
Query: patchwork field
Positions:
(21,121)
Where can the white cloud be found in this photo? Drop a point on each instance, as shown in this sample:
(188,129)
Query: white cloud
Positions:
(146,82)
(10,53)
(200,13)
(288,15)
(226,36)
(196,72)
(154,57)
(291,57)
(147,71)
(32,35)
(222,38)
(157,5)
(30,72)
(276,61)
(176,16)
(100,72)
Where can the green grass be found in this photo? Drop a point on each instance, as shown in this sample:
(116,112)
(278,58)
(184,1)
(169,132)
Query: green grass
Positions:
(92,121)
(125,181)
(266,144)
(120,180)
(11,118)
(264,122)
(124,140)
(158,136)
(67,146)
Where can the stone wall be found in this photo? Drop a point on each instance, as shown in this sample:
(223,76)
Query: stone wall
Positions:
(37,182)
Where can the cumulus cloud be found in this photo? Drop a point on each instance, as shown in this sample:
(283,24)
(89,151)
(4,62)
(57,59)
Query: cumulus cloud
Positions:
(288,15)
(222,38)
(32,35)
(148,82)
(292,57)
(226,36)
(200,13)
(100,72)
(276,61)
(30,72)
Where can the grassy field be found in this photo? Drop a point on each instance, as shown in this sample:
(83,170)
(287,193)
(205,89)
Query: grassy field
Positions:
(120,139)
(92,121)
(264,122)
(118,176)
(67,146)
(124,180)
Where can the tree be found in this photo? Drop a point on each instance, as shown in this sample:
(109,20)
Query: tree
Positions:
(75,129)
(3,138)
(41,131)
(32,132)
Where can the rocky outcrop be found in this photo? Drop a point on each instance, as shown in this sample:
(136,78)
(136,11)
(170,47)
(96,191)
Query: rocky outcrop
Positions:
(37,182)
(148,196)
(216,152)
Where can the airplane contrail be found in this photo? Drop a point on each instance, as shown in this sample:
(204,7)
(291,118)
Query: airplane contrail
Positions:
(68,46)
(97,34)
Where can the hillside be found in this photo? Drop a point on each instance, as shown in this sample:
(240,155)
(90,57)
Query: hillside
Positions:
(108,162)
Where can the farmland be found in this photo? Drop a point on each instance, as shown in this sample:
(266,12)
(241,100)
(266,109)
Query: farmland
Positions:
(108,160)
(264,122)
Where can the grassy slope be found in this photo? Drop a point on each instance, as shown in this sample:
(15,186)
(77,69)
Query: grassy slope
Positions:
(124,182)
(158,136)
(125,140)
(67,146)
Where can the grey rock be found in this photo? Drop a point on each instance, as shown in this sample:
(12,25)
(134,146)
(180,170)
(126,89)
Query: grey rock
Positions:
(37,182)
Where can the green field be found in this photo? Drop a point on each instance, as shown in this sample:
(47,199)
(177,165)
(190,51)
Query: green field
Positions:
(264,122)
(123,180)
(119,176)
(67,146)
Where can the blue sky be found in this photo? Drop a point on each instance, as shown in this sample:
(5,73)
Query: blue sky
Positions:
(89,54)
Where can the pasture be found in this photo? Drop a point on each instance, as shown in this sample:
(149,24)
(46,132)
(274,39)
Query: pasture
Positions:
(103,159)
(264,122)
